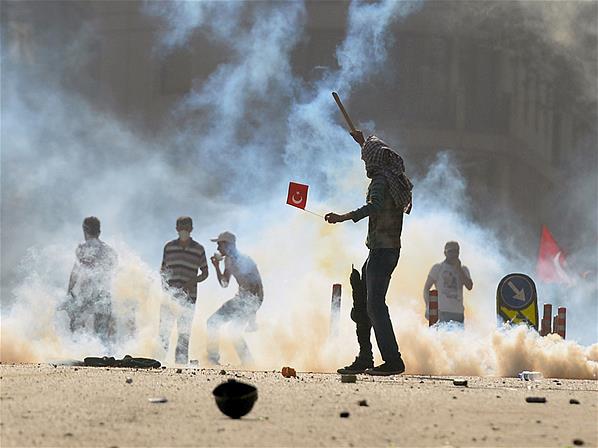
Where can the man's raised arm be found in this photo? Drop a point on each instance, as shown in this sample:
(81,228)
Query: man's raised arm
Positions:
(223,277)
(466,277)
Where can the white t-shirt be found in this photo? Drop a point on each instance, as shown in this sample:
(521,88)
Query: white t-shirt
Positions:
(449,285)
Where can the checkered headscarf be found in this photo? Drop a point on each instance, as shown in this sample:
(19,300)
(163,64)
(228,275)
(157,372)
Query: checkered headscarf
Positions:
(378,156)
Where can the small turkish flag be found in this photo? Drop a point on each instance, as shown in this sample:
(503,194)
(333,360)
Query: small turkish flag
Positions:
(551,260)
(297,195)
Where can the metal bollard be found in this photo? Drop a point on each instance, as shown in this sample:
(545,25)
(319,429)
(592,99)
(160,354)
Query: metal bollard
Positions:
(546,323)
(432,307)
(561,321)
(335,308)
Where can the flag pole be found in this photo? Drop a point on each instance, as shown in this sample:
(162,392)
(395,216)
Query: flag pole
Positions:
(313,213)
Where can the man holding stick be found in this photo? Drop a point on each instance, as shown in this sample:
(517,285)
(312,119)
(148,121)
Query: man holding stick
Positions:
(389,195)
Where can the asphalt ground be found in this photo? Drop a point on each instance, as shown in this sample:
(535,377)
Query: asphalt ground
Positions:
(47,405)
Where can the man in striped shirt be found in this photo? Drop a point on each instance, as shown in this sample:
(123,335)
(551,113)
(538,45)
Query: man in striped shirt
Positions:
(388,197)
(181,261)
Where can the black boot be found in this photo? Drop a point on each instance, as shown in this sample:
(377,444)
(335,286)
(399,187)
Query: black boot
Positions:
(360,365)
(388,368)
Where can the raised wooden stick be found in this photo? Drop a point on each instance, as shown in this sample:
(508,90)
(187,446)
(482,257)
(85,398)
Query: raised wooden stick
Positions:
(344,112)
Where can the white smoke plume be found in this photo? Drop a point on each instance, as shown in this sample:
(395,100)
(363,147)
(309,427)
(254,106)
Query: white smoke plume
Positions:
(252,126)
(312,122)
(241,102)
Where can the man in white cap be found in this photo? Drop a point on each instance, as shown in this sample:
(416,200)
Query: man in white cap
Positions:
(241,309)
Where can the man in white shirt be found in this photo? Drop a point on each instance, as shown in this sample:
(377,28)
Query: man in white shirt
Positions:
(449,277)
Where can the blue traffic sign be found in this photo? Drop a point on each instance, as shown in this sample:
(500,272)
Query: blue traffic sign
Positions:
(517,291)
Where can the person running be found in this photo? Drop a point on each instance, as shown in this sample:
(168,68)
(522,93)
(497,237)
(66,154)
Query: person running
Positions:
(181,261)
(242,308)
(388,197)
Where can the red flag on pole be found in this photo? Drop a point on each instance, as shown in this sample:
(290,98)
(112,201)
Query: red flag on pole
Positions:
(551,260)
(297,195)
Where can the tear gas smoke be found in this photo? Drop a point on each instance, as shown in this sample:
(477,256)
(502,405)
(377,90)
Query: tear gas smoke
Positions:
(92,164)
(312,122)
(242,101)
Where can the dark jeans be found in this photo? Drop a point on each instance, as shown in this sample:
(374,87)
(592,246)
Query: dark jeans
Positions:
(369,308)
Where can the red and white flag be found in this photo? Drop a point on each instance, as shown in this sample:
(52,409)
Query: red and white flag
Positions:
(552,263)
(297,195)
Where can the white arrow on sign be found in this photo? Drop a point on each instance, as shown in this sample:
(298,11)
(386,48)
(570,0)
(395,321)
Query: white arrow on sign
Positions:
(519,293)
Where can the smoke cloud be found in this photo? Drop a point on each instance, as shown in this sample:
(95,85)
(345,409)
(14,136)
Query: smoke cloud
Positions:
(237,139)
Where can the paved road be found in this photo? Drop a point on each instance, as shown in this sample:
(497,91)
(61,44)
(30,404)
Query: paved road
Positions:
(42,405)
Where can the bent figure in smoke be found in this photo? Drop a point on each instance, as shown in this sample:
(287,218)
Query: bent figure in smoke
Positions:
(181,260)
(90,303)
(449,277)
(388,197)
(240,310)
